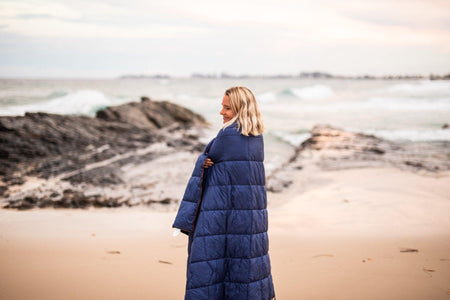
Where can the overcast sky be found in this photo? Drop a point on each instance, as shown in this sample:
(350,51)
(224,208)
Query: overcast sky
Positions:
(67,38)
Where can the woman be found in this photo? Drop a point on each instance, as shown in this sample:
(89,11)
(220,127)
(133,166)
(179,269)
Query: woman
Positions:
(224,209)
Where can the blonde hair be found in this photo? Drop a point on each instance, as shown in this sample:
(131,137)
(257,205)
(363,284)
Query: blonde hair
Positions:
(245,107)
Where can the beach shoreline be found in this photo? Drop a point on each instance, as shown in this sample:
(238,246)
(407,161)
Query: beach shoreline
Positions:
(316,250)
(352,213)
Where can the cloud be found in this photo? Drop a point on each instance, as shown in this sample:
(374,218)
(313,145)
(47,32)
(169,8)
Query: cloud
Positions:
(89,20)
(56,28)
(234,36)
(412,22)
(425,15)
(321,21)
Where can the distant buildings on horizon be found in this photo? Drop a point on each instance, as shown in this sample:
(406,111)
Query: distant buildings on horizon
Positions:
(302,75)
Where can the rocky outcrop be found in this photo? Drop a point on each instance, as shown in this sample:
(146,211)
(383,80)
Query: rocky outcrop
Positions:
(149,114)
(45,144)
(82,150)
(123,157)
(331,148)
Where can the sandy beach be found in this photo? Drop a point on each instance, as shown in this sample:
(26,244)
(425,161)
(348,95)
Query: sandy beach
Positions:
(107,111)
(333,235)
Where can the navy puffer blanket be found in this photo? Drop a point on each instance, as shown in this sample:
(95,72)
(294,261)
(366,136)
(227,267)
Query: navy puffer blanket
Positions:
(224,212)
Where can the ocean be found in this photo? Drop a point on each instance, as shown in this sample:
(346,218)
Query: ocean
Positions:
(398,110)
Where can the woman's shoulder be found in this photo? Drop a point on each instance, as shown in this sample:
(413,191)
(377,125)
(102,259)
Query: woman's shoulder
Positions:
(234,130)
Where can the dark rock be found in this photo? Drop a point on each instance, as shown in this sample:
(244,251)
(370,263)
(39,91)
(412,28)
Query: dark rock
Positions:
(31,200)
(45,202)
(3,190)
(163,201)
(414,164)
(375,150)
(198,147)
(150,114)
(102,176)
(70,199)
(44,145)
(278,184)
(87,153)
(13,180)
(178,143)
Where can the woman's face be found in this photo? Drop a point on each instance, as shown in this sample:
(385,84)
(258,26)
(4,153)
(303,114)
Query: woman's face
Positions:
(226,112)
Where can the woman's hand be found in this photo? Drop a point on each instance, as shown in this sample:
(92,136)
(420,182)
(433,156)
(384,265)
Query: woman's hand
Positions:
(208,163)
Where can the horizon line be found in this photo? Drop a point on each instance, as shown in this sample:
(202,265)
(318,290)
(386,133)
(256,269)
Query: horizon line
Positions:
(225,75)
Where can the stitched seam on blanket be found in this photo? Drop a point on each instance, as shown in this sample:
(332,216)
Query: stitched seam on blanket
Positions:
(230,234)
(193,262)
(229,282)
(250,160)
(235,184)
(235,209)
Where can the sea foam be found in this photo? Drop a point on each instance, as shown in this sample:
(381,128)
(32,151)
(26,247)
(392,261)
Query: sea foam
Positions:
(415,135)
(82,102)
(266,97)
(406,104)
(424,87)
(318,91)
(294,139)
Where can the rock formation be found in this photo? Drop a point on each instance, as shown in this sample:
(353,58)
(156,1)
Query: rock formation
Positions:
(83,150)
(143,153)
(331,148)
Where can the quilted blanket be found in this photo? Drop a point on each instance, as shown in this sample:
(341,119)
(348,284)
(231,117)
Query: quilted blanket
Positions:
(224,213)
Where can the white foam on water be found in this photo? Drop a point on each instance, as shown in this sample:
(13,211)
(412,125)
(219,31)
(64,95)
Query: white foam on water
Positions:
(423,87)
(414,135)
(266,97)
(405,104)
(318,91)
(294,139)
(82,102)
(377,104)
